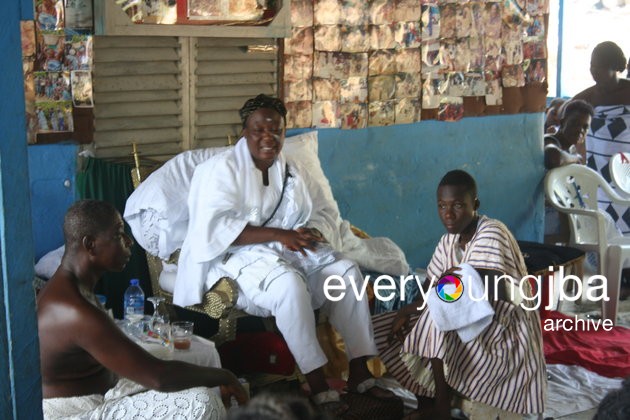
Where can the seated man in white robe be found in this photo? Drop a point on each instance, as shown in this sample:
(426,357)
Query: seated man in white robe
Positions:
(256,218)
(84,353)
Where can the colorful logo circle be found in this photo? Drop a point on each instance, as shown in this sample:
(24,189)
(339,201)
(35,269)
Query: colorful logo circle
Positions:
(450,288)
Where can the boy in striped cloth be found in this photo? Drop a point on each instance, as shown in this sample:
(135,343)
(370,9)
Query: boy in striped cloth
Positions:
(502,367)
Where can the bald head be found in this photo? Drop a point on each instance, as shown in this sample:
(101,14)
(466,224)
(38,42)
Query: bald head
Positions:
(87,218)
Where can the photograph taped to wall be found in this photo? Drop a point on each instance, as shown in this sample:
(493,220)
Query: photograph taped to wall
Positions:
(536,71)
(31,122)
(326,114)
(492,20)
(326,12)
(382,62)
(451,109)
(301,42)
(327,38)
(355,39)
(381,88)
(329,64)
(381,113)
(448,51)
(54,117)
(354,89)
(408,60)
(476,10)
(408,85)
(433,87)
(448,19)
(536,28)
(354,13)
(463,20)
(494,93)
(357,64)
(298,67)
(538,7)
(382,37)
(299,91)
(50,48)
(28,65)
(455,85)
(240,10)
(326,89)
(494,63)
(492,45)
(513,51)
(534,50)
(49,15)
(407,110)
(462,57)
(301,13)
(513,76)
(407,10)
(299,114)
(407,35)
(353,116)
(79,14)
(382,12)
(81,82)
(476,84)
(430,22)
(514,15)
(52,86)
(27,37)
(476,54)
(431,61)
(78,52)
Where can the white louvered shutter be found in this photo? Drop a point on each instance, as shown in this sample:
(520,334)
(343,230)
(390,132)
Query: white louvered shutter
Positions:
(169,94)
(137,95)
(226,75)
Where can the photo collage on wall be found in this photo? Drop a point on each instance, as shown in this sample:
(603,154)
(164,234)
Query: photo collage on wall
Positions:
(57,62)
(352,64)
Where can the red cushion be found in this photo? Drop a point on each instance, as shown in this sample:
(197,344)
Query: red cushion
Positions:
(257,352)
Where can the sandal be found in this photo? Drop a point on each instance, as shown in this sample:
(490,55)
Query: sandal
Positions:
(374,387)
(330,402)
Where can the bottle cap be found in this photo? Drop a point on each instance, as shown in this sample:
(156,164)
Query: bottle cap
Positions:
(134,282)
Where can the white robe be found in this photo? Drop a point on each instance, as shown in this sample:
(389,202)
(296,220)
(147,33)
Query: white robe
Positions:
(227,194)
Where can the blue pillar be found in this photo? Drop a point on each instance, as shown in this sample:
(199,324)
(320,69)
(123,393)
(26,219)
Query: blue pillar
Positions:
(20,386)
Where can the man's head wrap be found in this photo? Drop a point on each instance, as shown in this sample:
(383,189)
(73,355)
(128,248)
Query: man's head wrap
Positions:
(262,101)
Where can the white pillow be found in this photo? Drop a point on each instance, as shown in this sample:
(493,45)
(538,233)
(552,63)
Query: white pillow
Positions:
(49,263)
(157,210)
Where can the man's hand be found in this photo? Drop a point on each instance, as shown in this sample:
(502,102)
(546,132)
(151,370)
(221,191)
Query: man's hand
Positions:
(233,389)
(301,239)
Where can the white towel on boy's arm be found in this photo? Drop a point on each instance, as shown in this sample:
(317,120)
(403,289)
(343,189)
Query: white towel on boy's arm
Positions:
(466,316)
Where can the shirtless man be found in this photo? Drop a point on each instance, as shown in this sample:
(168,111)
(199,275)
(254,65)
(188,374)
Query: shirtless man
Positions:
(83,353)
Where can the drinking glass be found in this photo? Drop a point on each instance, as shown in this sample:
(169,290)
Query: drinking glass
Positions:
(159,326)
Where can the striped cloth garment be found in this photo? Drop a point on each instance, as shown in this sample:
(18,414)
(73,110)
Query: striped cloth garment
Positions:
(503,367)
(609,134)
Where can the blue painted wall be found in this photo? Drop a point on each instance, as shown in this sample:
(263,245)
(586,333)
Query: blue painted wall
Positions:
(20,386)
(52,171)
(384,178)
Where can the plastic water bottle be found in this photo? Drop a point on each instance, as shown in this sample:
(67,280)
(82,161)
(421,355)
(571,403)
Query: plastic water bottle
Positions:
(134,302)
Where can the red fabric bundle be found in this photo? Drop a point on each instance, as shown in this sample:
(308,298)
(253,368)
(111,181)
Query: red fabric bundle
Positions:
(258,352)
(606,353)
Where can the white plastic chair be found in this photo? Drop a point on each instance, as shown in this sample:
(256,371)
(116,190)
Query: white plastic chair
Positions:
(572,189)
(619,167)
